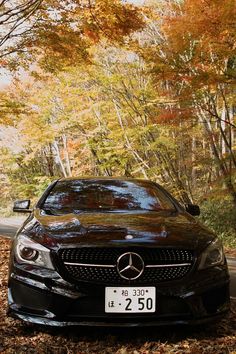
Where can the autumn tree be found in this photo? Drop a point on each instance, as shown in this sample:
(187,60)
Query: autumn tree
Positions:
(56,34)
(191,52)
(103,120)
(16,24)
(107,95)
(59,33)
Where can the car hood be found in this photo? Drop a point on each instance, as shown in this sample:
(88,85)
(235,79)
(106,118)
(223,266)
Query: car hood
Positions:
(170,229)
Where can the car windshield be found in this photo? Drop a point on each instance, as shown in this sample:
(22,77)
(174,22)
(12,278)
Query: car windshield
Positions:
(105,195)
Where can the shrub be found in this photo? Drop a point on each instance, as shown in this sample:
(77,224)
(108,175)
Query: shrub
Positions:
(220,216)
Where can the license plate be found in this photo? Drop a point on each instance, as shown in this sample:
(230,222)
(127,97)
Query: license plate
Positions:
(130,299)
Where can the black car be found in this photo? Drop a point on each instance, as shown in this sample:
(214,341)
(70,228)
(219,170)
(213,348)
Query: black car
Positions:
(115,252)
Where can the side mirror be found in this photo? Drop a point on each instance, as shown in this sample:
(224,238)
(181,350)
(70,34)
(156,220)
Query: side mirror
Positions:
(192,209)
(22,206)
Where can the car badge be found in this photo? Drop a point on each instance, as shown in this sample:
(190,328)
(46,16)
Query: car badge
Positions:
(130,266)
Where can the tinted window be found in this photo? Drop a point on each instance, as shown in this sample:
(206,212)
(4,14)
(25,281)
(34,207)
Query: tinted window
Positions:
(69,196)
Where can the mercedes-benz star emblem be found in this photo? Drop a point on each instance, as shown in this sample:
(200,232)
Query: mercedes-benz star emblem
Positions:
(130,265)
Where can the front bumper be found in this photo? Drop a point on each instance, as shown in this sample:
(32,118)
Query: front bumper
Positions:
(42,297)
(132,323)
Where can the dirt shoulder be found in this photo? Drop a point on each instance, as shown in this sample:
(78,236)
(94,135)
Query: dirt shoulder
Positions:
(17,337)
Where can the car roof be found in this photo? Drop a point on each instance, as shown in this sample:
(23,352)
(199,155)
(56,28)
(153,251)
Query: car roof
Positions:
(106,178)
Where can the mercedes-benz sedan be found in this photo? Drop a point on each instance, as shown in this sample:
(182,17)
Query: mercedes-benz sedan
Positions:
(118,252)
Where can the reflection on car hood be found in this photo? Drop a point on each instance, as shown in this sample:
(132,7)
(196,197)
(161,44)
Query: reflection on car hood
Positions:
(112,228)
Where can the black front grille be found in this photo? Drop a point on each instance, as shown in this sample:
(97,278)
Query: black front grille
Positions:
(104,257)
(89,255)
(111,276)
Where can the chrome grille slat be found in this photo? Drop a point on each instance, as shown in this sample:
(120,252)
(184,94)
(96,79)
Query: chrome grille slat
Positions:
(90,265)
(167,265)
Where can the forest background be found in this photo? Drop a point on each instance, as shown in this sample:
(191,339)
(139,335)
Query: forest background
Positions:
(117,88)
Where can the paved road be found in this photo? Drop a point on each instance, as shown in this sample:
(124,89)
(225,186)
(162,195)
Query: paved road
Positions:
(8,228)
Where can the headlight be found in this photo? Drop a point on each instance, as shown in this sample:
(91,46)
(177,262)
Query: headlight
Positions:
(212,256)
(31,252)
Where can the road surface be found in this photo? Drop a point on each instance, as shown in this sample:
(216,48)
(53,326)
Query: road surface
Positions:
(8,228)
